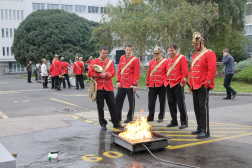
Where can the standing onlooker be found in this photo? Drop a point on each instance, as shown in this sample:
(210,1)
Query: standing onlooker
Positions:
(228,60)
(44,73)
(29,71)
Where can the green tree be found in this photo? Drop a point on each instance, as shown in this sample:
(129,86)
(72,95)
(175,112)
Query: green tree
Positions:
(227,31)
(46,32)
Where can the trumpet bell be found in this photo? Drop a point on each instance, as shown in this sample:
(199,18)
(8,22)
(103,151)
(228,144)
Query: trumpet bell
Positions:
(97,68)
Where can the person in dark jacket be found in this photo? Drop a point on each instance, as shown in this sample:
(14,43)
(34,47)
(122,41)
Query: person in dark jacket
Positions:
(29,71)
(228,61)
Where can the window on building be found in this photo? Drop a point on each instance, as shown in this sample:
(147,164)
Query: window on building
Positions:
(248,29)
(7,51)
(10,32)
(18,15)
(52,6)
(38,6)
(10,14)
(80,9)
(7,33)
(103,10)
(22,15)
(14,14)
(67,8)
(93,9)
(6,14)
(249,9)
(2,14)
(3,51)
(2,32)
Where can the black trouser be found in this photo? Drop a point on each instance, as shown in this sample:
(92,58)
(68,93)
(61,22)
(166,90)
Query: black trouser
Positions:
(79,80)
(52,80)
(120,96)
(175,96)
(152,97)
(68,82)
(44,81)
(226,84)
(82,82)
(201,108)
(57,81)
(110,100)
(29,77)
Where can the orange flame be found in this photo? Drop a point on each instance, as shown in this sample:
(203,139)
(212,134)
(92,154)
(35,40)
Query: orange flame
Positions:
(141,110)
(138,131)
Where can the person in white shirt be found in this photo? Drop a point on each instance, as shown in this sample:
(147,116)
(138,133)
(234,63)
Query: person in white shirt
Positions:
(44,73)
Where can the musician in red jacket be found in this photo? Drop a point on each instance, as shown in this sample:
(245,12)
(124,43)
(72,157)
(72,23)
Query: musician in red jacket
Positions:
(83,65)
(155,84)
(202,74)
(52,75)
(65,67)
(127,81)
(176,75)
(78,72)
(105,89)
(57,70)
(89,62)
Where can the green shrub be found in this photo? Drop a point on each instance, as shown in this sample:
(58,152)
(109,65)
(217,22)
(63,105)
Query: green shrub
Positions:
(243,64)
(244,75)
(85,77)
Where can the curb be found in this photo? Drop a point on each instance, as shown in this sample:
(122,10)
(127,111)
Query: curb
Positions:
(211,93)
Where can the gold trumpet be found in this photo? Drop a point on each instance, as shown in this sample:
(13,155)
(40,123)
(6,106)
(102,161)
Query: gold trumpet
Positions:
(93,83)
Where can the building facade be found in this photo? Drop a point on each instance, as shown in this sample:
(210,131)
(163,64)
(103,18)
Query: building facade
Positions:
(13,12)
(248,28)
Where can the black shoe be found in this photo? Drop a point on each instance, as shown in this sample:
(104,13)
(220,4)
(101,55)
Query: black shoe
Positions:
(202,135)
(46,87)
(149,119)
(171,125)
(69,87)
(183,126)
(52,88)
(195,132)
(127,121)
(77,89)
(104,127)
(58,89)
(226,98)
(118,126)
(234,96)
(160,120)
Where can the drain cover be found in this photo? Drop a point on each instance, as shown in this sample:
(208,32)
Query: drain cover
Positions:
(66,110)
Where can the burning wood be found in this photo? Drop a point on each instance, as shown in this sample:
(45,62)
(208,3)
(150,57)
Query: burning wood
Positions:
(138,131)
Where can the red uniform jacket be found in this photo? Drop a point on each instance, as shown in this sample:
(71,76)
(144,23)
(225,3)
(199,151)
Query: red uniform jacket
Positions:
(83,64)
(203,71)
(130,76)
(89,62)
(105,83)
(77,69)
(158,77)
(179,73)
(64,66)
(56,68)
(50,71)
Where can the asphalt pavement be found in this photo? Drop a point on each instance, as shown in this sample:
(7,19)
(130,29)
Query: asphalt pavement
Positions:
(35,121)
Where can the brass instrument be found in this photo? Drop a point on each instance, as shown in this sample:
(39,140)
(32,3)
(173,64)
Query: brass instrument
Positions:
(61,76)
(93,83)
